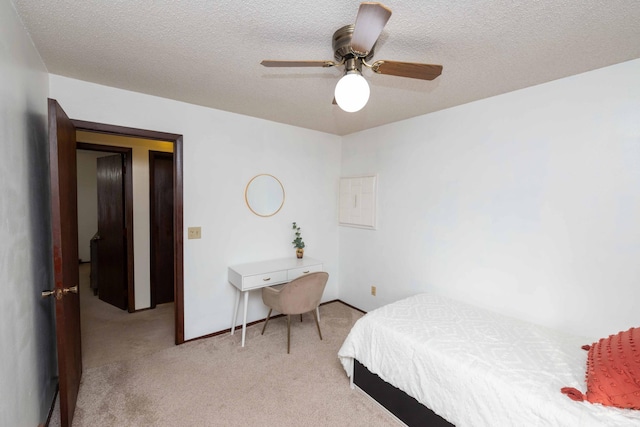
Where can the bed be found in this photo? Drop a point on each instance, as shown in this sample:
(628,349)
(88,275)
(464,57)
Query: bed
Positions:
(472,367)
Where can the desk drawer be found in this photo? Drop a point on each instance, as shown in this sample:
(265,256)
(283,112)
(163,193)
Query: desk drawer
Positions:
(294,273)
(266,279)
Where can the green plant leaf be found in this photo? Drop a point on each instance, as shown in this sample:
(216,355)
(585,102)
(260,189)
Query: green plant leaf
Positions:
(297,242)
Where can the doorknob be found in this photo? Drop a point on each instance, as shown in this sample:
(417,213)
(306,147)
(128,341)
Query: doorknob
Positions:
(73,290)
(48,293)
(60,292)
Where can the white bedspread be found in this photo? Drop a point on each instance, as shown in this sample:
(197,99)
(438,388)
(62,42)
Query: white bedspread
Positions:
(477,368)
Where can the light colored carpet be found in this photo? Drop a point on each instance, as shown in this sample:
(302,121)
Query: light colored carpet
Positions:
(110,334)
(215,382)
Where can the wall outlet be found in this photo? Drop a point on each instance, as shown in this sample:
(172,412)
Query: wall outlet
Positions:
(373,291)
(194,233)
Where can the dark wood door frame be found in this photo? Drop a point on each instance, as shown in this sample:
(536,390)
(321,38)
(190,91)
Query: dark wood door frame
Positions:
(178,219)
(127,152)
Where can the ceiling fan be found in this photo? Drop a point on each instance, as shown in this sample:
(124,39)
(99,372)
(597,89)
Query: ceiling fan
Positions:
(353,47)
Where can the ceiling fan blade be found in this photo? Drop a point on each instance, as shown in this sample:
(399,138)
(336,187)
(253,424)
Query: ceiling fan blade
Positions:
(371,19)
(270,63)
(413,70)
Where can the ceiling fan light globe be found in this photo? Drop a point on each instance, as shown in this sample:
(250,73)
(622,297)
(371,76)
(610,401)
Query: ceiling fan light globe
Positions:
(352,92)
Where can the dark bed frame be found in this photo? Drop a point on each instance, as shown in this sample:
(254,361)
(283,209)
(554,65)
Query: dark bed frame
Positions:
(404,407)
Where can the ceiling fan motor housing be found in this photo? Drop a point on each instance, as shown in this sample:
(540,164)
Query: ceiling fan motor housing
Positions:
(341,43)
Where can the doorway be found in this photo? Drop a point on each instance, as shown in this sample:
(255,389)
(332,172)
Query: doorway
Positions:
(64,225)
(177,238)
(109,333)
(105,220)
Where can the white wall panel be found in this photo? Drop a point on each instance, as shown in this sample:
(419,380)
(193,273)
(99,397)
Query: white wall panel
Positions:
(358,201)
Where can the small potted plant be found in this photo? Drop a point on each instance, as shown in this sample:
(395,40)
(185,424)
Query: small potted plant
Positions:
(297,242)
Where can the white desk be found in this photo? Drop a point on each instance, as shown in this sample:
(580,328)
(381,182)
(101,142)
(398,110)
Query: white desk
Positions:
(257,275)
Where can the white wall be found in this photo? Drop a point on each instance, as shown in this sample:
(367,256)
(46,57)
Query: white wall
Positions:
(222,152)
(141,211)
(27,334)
(87,200)
(527,203)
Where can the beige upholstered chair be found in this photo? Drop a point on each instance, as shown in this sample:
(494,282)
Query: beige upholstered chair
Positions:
(301,295)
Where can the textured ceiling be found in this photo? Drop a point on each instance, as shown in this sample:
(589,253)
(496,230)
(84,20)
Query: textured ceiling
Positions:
(209,52)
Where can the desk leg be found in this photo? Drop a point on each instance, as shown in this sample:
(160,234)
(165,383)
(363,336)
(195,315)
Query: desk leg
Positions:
(244,318)
(235,311)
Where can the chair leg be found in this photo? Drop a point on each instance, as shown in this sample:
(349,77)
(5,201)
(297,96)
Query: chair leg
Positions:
(301,317)
(267,321)
(288,333)
(315,317)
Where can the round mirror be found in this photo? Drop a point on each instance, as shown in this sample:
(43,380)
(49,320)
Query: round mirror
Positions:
(264,195)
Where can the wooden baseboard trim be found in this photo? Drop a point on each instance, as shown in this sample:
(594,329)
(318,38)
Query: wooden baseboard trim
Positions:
(228,330)
(348,305)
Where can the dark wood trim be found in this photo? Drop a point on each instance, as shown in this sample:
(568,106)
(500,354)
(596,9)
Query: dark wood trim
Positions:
(178,217)
(228,330)
(90,146)
(348,305)
(124,131)
(127,152)
(178,221)
(255,322)
(152,264)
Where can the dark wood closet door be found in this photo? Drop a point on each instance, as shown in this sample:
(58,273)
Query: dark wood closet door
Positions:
(112,248)
(161,211)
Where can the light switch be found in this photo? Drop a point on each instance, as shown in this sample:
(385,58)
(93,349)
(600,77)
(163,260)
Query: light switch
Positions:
(194,233)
